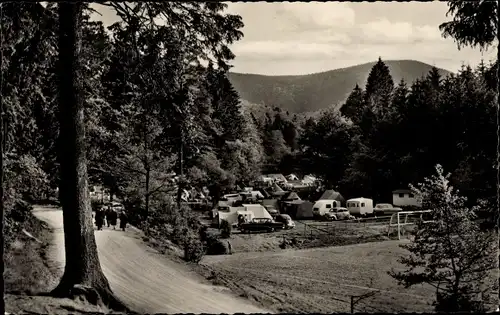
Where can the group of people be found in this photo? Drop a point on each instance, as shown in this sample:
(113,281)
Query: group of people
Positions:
(109,217)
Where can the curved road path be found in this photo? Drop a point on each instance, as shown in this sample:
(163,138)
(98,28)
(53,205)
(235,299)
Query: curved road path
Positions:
(145,280)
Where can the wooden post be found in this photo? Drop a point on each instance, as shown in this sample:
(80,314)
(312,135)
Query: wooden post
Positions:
(352,304)
(399,235)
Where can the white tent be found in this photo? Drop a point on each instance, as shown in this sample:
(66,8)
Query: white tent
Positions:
(259,211)
(257,194)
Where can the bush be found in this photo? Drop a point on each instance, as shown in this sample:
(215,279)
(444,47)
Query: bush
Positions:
(24,176)
(19,212)
(215,246)
(225,229)
(193,249)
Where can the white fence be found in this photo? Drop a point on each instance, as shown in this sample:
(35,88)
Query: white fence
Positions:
(400,224)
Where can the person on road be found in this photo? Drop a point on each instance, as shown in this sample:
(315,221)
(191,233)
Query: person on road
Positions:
(99,218)
(111,218)
(229,248)
(123,220)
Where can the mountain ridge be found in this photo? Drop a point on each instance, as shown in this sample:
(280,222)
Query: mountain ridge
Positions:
(320,90)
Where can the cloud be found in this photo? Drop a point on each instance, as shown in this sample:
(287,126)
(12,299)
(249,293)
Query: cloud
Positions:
(384,31)
(318,15)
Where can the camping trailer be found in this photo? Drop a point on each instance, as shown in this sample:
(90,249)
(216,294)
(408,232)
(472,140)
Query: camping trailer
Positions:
(360,206)
(323,206)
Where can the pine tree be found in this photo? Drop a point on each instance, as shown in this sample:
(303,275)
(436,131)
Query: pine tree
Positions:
(449,251)
(474,23)
(354,104)
(379,86)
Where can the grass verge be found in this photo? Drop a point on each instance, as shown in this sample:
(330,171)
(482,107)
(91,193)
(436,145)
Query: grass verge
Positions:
(28,276)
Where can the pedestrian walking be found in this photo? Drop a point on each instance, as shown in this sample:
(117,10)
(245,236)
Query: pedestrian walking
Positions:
(108,216)
(99,218)
(229,248)
(123,220)
(112,217)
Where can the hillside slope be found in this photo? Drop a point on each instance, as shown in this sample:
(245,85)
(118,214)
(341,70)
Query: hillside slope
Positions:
(312,92)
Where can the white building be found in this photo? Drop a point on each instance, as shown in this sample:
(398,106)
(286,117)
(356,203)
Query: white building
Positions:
(404,197)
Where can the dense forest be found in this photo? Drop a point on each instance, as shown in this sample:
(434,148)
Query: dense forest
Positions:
(153,109)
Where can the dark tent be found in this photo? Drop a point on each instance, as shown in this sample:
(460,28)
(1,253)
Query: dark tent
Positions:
(270,203)
(332,195)
(299,209)
(292,195)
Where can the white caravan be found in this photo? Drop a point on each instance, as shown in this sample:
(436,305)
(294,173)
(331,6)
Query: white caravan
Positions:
(321,207)
(360,206)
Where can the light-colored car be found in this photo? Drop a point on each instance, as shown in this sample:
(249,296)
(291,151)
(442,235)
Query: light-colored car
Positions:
(286,219)
(385,208)
(339,213)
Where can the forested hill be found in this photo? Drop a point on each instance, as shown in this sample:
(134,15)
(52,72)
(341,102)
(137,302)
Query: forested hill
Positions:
(312,92)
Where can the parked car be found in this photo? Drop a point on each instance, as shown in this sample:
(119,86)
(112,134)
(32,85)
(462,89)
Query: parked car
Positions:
(339,213)
(285,219)
(385,208)
(261,224)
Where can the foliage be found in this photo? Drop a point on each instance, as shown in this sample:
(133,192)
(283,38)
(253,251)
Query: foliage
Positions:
(474,23)
(24,179)
(225,229)
(379,86)
(215,246)
(450,252)
(194,249)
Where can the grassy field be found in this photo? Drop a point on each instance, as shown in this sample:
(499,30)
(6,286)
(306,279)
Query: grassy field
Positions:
(321,279)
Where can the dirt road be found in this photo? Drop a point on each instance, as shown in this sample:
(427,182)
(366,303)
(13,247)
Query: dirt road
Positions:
(144,279)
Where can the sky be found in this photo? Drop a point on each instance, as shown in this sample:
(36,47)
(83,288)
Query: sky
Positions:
(293,38)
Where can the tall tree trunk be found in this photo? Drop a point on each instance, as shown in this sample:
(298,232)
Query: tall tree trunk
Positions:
(82,273)
(2,209)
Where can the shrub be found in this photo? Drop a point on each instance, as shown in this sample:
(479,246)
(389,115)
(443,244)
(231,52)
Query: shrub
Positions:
(24,176)
(193,248)
(20,211)
(215,246)
(225,229)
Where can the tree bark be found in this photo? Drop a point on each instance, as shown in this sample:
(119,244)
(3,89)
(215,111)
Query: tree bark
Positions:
(2,209)
(82,274)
